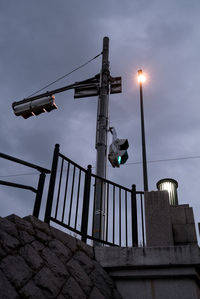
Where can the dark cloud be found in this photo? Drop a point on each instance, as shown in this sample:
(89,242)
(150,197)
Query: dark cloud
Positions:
(40,41)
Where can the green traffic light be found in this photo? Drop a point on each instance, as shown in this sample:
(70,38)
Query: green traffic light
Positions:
(119,159)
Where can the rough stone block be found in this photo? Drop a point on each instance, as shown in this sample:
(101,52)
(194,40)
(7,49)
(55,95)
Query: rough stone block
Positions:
(64,238)
(21,224)
(49,283)
(31,256)
(38,224)
(25,237)
(96,294)
(158,220)
(72,290)
(80,276)
(86,262)
(8,227)
(53,263)
(89,250)
(42,237)
(16,270)
(38,246)
(31,291)
(62,251)
(7,290)
(101,283)
(7,242)
(2,253)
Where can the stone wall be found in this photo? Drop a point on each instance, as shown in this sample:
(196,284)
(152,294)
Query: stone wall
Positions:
(38,261)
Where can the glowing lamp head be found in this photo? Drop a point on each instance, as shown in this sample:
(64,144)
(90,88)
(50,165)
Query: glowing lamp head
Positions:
(141,77)
(171,186)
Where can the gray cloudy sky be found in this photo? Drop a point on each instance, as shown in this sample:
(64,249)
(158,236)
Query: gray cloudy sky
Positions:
(42,40)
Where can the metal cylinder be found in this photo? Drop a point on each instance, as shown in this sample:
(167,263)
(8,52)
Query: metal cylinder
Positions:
(171,186)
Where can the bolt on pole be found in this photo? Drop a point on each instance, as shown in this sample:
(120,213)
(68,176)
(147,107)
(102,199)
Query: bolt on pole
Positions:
(101,146)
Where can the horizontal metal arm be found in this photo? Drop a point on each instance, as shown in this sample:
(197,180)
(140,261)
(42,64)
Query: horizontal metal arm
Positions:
(88,82)
(41,169)
(10,184)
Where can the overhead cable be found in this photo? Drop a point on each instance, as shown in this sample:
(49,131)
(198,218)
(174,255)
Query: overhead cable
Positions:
(60,78)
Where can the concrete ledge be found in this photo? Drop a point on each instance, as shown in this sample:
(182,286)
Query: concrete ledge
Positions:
(175,272)
(116,257)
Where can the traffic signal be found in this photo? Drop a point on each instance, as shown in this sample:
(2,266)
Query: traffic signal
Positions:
(118,152)
(35,107)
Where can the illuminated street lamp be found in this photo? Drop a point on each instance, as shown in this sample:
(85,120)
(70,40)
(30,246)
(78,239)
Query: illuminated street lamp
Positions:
(171,186)
(142,79)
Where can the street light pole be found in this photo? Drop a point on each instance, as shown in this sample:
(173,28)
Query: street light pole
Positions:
(101,144)
(141,79)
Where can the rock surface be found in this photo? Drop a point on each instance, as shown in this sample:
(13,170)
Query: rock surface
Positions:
(39,261)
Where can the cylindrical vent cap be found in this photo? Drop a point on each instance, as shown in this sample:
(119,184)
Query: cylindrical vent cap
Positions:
(171,186)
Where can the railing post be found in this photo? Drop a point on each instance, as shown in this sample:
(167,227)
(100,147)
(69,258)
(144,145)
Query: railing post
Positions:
(52,184)
(134,217)
(86,200)
(38,199)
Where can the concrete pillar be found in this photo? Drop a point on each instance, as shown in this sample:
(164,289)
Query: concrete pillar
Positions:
(158,219)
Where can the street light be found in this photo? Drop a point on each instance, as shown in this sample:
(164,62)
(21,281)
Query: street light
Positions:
(142,79)
(171,186)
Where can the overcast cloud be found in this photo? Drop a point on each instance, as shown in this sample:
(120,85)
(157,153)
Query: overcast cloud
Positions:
(42,40)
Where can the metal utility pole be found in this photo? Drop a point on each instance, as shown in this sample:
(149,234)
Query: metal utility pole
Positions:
(145,176)
(101,144)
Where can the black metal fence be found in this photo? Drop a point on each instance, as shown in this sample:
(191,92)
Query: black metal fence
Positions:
(40,187)
(72,198)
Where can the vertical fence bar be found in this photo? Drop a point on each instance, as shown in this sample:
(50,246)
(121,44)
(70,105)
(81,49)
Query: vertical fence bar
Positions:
(86,200)
(38,199)
(142,215)
(126,218)
(58,196)
(94,207)
(134,217)
(77,201)
(101,212)
(72,193)
(107,212)
(66,185)
(113,214)
(120,218)
(52,184)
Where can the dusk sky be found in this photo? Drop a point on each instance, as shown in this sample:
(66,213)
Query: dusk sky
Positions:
(43,40)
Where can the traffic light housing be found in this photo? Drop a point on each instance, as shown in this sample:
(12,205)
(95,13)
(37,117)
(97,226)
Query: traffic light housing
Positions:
(118,152)
(36,107)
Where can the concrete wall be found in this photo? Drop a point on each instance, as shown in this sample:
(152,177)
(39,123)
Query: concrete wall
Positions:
(168,225)
(153,272)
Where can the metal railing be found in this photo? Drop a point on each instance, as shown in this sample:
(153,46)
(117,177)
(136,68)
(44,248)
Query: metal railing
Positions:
(40,187)
(71,204)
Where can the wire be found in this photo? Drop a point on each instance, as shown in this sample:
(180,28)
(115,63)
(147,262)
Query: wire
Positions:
(166,160)
(130,163)
(60,78)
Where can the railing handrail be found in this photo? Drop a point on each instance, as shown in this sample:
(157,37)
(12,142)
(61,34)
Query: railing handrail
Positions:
(72,162)
(39,191)
(28,164)
(16,185)
(96,176)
